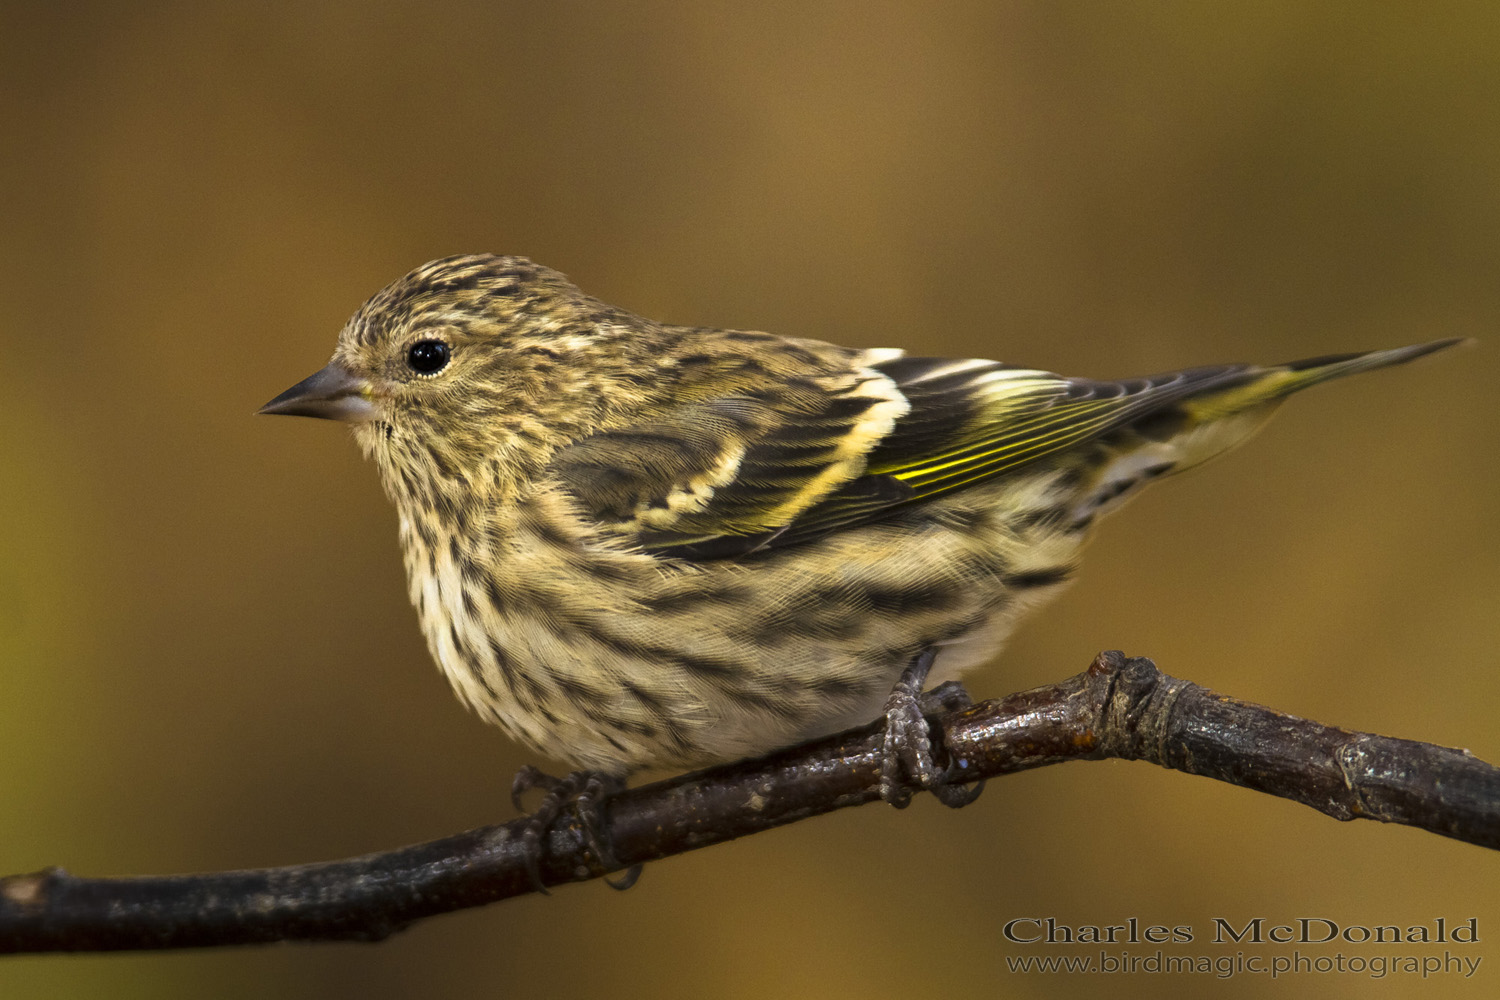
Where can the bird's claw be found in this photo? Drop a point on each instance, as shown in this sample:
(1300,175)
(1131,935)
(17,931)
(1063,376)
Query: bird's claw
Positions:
(585,792)
(907,744)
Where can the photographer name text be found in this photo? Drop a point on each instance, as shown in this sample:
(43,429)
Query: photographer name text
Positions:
(1255,930)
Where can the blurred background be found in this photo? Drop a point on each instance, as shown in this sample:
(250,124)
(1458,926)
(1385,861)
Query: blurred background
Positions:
(208,657)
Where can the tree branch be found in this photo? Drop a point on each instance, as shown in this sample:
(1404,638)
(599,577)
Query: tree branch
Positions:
(1118,708)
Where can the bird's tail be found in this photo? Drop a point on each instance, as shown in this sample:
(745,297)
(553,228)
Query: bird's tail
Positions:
(1234,402)
(1274,383)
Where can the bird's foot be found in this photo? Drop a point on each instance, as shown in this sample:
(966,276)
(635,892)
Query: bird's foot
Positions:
(585,793)
(907,747)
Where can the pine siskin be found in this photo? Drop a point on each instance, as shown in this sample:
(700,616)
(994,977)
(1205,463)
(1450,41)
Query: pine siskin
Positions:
(633,544)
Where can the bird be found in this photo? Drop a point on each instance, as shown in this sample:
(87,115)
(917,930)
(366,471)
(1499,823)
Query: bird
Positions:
(639,545)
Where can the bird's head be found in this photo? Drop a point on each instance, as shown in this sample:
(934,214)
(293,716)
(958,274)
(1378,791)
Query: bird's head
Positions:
(472,366)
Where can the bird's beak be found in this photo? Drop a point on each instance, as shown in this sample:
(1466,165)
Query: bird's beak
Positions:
(331,393)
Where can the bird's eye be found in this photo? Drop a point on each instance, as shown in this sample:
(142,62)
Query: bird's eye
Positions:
(428,357)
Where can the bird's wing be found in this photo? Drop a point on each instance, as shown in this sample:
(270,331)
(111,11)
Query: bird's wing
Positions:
(738,467)
(742,473)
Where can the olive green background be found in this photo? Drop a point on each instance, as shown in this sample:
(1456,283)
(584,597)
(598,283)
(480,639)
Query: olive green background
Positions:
(206,656)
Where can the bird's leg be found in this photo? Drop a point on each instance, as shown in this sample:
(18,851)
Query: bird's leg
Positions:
(908,746)
(585,792)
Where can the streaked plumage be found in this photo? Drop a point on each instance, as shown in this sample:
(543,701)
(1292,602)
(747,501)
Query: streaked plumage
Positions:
(633,544)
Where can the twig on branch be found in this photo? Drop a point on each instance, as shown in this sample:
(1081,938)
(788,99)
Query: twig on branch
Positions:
(1118,708)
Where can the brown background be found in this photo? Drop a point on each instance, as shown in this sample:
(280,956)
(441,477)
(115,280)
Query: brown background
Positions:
(208,660)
